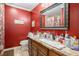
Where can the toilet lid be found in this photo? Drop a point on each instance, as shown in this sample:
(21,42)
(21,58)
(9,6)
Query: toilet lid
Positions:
(24,42)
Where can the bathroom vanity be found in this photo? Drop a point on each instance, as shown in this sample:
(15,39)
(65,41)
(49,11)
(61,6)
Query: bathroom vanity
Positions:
(39,48)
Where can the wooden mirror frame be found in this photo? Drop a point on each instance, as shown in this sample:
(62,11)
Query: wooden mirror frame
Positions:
(66,9)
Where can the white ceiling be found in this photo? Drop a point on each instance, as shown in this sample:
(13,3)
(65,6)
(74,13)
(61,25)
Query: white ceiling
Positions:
(26,6)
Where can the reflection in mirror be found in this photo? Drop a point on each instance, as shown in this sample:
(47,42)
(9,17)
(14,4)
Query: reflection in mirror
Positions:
(55,17)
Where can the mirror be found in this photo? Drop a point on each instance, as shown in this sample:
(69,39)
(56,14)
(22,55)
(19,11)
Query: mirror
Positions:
(55,17)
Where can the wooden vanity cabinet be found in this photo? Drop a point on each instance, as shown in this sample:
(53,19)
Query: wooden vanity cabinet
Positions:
(37,49)
(34,51)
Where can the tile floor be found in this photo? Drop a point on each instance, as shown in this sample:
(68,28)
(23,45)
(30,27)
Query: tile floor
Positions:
(15,51)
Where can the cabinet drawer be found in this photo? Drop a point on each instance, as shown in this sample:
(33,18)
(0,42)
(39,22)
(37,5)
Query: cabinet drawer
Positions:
(33,43)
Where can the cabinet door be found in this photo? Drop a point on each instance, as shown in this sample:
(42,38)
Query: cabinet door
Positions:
(34,51)
(40,53)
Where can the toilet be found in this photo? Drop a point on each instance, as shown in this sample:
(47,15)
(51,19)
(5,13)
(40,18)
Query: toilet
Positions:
(24,44)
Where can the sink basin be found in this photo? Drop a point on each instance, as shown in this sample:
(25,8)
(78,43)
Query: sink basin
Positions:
(55,44)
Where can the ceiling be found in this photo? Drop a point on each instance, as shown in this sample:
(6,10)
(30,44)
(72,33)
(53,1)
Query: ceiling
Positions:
(26,6)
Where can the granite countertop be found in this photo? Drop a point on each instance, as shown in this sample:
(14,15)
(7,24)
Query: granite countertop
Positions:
(66,51)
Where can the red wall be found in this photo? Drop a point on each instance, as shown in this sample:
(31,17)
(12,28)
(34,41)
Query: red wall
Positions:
(73,21)
(14,33)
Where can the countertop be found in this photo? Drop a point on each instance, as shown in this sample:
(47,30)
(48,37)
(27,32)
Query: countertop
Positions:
(66,51)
